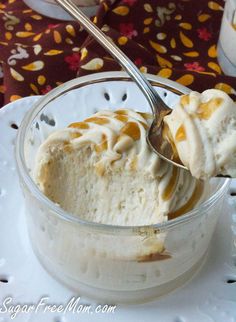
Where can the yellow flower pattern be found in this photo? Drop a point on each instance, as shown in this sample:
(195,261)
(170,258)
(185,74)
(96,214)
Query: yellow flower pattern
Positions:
(174,39)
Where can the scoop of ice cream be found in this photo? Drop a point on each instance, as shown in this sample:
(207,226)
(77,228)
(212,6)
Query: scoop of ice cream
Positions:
(203,129)
(103,170)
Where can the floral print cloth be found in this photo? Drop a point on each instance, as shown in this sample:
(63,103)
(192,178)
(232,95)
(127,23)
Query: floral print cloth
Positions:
(175,39)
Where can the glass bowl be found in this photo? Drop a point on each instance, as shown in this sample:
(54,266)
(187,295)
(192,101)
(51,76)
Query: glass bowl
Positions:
(227,39)
(51,9)
(111,263)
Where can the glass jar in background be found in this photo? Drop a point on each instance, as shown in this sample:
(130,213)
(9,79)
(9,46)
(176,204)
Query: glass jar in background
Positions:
(113,264)
(51,9)
(227,40)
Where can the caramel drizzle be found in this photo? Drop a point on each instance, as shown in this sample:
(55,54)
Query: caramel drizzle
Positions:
(180,134)
(205,110)
(131,129)
(79,125)
(124,112)
(133,164)
(67,147)
(100,169)
(170,188)
(144,125)
(184,100)
(190,203)
(169,138)
(97,120)
(153,257)
(103,145)
(75,135)
(120,137)
(146,116)
(122,118)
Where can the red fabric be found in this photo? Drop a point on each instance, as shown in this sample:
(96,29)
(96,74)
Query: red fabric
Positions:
(174,39)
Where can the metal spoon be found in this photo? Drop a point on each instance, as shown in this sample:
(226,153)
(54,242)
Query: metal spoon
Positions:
(156,137)
(159,109)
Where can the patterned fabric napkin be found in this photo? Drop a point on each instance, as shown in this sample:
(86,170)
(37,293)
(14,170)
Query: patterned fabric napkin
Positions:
(175,39)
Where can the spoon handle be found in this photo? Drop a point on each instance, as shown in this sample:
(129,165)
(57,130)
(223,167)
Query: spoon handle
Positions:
(155,101)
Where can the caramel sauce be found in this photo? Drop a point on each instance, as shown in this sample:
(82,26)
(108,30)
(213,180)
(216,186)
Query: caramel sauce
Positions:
(123,112)
(67,147)
(205,110)
(180,135)
(190,203)
(133,164)
(168,137)
(146,116)
(119,137)
(184,100)
(103,145)
(125,146)
(99,168)
(97,120)
(122,118)
(79,125)
(153,257)
(131,129)
(75,135)
(170,188)
(144,125)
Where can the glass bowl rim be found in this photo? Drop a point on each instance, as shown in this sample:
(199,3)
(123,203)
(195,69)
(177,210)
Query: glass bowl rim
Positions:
(69,217)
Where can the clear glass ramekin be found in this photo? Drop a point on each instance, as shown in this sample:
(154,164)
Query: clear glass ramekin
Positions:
(111,263)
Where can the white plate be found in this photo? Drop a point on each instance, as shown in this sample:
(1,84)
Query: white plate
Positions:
(207,298)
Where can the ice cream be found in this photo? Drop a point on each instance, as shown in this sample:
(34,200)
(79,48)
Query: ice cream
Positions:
(203,129)
(103,170)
